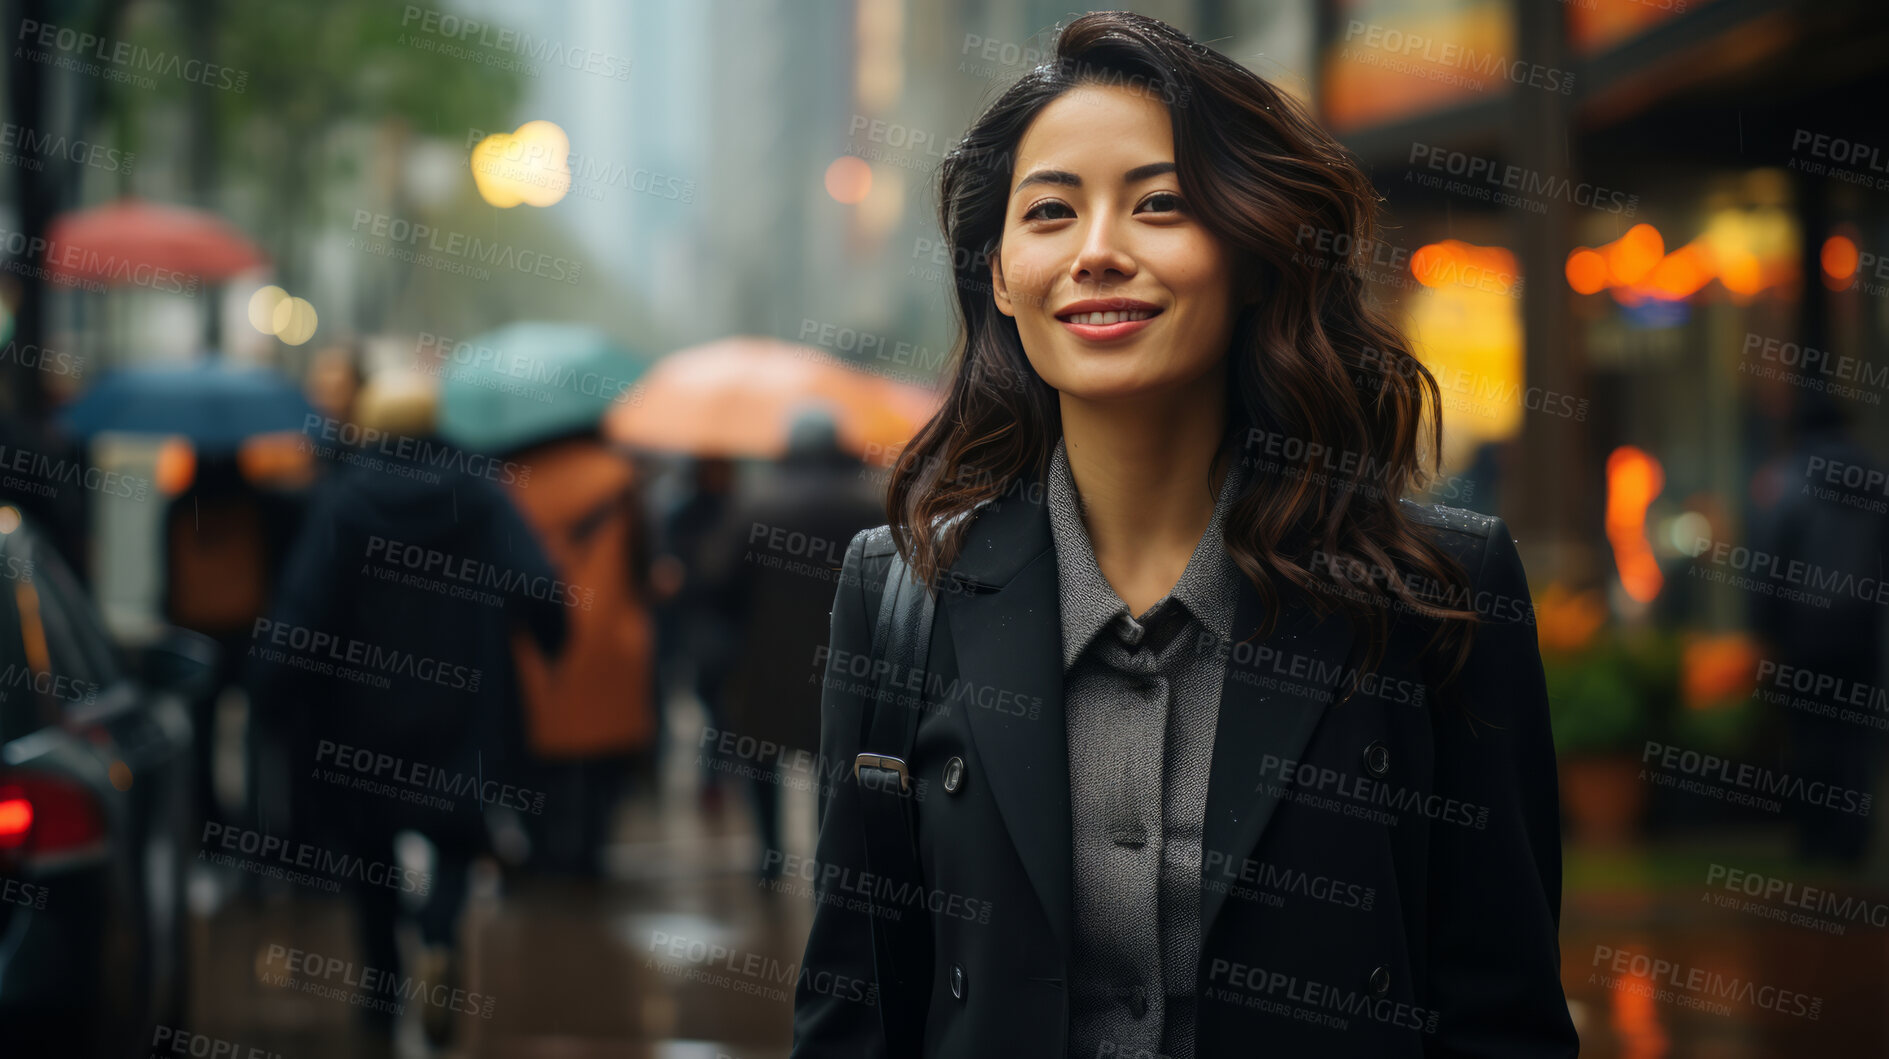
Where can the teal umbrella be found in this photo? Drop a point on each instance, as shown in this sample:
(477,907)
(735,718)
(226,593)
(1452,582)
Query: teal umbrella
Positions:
(529,382)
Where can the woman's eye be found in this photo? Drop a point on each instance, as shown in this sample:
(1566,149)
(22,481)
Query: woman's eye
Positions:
(1163,202)
(1038,211)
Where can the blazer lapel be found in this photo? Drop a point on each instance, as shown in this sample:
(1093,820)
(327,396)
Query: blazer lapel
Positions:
(1005,622)
(1008,635)
(1264,710)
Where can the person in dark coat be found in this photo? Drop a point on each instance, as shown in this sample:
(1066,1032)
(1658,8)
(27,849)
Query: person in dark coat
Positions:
(384,673)
(1827,518)
(696,633)
(783,546)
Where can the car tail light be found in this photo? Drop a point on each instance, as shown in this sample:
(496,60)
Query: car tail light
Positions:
(44,817)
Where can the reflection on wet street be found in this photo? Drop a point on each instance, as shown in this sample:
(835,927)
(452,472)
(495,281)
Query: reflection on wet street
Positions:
(682,952)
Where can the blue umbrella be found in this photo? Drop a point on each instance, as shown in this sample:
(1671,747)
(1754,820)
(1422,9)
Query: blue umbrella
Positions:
(215,404)
(529,382)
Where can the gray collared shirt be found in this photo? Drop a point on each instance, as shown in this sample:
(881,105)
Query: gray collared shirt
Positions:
(1141,698)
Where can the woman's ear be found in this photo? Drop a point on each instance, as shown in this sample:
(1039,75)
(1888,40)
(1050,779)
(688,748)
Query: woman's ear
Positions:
(999,291)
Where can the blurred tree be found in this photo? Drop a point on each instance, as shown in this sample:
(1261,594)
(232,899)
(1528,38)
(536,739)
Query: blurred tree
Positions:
(315,81)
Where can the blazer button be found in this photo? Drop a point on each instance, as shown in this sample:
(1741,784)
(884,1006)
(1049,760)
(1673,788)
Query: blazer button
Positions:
(953,775)
(1138,1002)
(1381,981)
(957,980)
(1377,759)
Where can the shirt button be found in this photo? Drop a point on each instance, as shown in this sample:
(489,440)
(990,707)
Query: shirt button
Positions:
(953,775)
(1377,759)
(957,980)
(1381,981)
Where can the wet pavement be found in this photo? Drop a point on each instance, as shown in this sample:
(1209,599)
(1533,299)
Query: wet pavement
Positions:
(682,953)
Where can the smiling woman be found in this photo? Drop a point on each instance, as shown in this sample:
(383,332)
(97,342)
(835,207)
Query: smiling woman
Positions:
(1292,780)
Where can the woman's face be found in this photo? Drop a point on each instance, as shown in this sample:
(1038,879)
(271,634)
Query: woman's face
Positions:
(1096,222)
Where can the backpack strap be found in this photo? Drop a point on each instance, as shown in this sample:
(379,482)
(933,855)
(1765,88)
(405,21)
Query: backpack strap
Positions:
(901,931)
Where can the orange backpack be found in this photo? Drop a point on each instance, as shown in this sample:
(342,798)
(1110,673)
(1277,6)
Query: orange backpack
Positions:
(594,698)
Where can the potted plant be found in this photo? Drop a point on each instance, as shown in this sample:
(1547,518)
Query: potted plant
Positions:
(1604,685)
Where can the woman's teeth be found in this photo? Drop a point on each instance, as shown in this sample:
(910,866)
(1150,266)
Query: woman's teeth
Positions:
(1110,318)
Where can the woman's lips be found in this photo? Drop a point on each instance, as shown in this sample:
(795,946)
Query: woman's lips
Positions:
(1104,332)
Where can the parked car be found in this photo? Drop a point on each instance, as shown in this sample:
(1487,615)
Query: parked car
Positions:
(97,813)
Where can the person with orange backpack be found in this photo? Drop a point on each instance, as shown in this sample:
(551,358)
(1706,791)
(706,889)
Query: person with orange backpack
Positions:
(588,712)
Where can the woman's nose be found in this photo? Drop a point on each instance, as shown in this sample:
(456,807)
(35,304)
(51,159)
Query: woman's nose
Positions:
(1102,257)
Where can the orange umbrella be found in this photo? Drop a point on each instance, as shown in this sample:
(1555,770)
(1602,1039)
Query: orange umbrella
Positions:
(116,242)
(737,397)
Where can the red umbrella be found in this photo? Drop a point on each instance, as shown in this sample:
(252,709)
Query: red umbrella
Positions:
(121,241)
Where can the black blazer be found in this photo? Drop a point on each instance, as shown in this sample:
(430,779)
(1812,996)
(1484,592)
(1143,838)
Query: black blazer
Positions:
(1381,875)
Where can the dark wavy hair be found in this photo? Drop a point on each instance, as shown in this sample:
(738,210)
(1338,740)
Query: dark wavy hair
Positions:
(1316,372)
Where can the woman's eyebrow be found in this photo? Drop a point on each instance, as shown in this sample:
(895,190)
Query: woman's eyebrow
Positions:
(1068,179)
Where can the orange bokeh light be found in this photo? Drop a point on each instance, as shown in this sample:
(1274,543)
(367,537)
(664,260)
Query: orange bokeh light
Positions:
(1634,480)
(1587,271)
(1452,261)
(1633,255)
(1839,258)
(849,179)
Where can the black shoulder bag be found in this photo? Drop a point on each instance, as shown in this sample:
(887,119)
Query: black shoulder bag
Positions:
(901,921)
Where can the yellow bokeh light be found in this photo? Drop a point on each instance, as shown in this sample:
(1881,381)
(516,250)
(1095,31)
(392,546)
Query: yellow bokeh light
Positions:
(262,307)
(294,321)
(531,165)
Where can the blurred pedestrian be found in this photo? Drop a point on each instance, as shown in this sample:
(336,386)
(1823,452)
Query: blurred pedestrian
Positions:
(390,644)
(590,711)
(1826,519)
(784,545)
(699,631)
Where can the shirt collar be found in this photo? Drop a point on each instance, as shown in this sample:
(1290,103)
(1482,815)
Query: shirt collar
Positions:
(1207,586)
